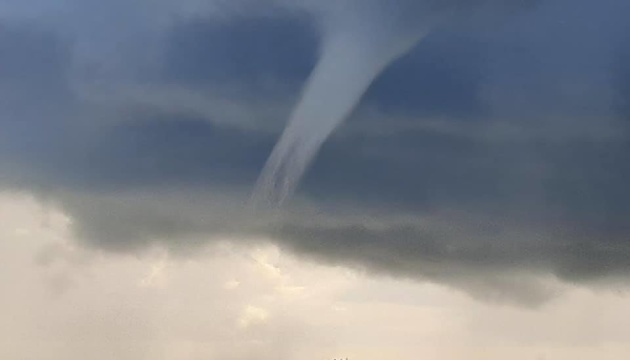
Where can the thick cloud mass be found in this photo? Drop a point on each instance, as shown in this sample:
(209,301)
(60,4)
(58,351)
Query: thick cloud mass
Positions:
(495,152)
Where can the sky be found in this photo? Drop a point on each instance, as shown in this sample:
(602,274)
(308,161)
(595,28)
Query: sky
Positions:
(473,205)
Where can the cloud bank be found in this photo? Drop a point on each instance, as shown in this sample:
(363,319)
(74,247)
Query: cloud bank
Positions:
(491,153)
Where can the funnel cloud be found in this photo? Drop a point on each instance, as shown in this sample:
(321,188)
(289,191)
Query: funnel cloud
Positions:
(350,61)
(360,40)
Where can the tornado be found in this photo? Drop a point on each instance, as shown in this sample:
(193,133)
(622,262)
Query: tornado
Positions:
(351,58)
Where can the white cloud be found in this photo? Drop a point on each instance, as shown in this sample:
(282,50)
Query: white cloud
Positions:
(280,307)
(251,316)
(231,285)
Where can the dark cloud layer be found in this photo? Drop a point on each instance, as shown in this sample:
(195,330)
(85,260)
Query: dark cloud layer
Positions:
(621,79)
(413,252)
(486,156)
(250,50)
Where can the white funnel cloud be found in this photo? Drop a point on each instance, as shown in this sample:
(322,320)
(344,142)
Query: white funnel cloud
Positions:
(352,56)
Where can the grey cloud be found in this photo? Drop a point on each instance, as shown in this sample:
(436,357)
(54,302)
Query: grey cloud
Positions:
(253,50)
(459,251)
(520,126)
(621,80)
(35,96)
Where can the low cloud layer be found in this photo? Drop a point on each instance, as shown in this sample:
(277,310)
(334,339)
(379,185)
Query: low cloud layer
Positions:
(488,156)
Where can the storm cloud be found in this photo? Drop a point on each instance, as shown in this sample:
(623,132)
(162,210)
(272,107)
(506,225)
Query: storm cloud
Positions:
(493,153)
